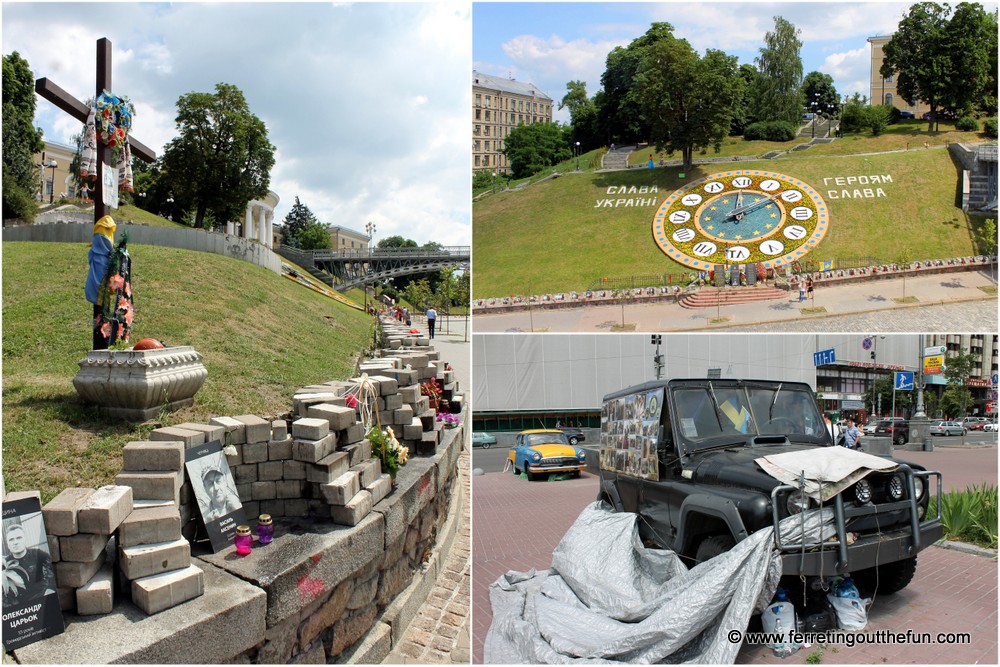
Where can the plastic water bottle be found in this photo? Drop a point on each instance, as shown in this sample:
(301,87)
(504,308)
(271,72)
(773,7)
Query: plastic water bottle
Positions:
(783,648)
(779,618)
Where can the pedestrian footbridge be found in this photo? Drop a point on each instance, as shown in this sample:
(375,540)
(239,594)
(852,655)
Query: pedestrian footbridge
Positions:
(343,269)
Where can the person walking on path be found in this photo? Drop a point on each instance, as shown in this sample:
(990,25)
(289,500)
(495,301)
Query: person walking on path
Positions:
(431,319)
(852,435)
(802,291)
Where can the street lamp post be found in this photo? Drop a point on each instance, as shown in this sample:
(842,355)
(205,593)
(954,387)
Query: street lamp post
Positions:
(578,156)
(815,106)
(370,228)
(494,181)
(52,194)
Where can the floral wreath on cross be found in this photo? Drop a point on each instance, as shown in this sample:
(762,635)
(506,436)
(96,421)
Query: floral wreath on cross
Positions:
(114,119)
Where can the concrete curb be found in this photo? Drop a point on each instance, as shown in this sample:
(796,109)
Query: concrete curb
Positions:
(919,304)
(967,548)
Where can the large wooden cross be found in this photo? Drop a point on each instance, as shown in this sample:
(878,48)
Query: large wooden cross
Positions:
(80,111)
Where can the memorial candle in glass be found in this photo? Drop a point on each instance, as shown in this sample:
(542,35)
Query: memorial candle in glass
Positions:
(265,529)
(243,540)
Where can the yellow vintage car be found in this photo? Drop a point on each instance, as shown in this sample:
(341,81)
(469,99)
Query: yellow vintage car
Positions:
(542,451)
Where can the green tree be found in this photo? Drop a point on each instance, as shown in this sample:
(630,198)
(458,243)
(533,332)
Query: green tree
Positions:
(688,101)
(946,61)
(21,140)
(777,94)
(741,107)
(820,95)
(583,115)
(397,242)
(315,236)
(971,44)
(221,158)
(298,220)
(531,148)
(877,118)
(618,105)
(956,398)
(418,294)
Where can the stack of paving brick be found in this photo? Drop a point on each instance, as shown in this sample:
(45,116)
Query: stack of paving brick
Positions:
(80,523)
(330,441)
(259,453)
(154,558)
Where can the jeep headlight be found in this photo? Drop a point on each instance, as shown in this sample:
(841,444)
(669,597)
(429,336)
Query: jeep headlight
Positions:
(894,487)
(863,491)
(536,457)
(918,487)
(797,502)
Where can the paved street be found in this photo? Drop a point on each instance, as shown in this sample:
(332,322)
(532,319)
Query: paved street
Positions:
(518,524)
(441,632)
(950,302)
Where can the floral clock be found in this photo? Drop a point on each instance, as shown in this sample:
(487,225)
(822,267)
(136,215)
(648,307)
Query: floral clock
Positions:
(741,217)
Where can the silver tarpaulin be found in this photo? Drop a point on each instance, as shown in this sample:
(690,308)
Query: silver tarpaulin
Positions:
(607,598)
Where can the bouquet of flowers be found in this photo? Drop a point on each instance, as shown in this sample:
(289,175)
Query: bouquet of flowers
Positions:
(115,322)
(431,389)
(449,420)
(386,448)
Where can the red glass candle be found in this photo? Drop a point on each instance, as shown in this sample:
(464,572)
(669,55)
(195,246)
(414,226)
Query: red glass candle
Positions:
(243,540)
(265,529)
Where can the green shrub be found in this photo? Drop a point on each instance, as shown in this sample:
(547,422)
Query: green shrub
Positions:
(967,124)
(776,130)
(970,515)
(990,128)
(17,202)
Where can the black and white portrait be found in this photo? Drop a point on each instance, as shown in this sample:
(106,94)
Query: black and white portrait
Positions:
(215,490)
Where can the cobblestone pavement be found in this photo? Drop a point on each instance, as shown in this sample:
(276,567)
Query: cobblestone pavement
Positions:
(440,633)
(952,592)
(948,302)
(969,316)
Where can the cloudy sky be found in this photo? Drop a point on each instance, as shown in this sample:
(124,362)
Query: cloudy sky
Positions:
(367,105)
(549,44)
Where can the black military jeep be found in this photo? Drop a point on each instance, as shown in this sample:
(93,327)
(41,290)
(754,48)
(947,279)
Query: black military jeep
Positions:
(681,454)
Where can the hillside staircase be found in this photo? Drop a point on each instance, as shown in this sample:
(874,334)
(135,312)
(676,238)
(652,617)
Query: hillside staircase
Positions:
(618,158)
(983,181)
(711,297)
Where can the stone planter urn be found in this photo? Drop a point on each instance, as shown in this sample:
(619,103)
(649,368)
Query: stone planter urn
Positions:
(137,385)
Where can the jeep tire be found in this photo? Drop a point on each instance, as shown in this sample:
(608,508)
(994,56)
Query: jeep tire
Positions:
(890,577)
(712,546)
(573,440)
(899,439)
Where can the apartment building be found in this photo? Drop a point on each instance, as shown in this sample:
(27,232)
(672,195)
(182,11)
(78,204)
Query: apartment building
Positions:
(498,106)
(882,90)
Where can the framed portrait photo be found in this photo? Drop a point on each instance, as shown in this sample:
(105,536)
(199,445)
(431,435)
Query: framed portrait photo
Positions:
(215,490)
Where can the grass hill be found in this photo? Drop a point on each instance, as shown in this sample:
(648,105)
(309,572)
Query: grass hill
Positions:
(261,336)
(549,237)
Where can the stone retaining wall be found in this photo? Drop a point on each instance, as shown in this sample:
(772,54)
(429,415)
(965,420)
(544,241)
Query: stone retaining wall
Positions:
(321,591)
(172,237)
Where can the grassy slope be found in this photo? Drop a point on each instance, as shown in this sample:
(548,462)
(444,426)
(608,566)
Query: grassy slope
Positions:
(261,337)
(550,238)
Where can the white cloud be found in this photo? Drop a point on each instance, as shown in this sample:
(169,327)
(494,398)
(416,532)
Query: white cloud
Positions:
(361,101)
(851,69)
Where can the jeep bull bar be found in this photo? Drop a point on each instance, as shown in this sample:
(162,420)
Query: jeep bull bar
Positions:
(867,551)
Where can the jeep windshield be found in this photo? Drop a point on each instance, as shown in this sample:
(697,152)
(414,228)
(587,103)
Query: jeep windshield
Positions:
(532,439)
(715,414)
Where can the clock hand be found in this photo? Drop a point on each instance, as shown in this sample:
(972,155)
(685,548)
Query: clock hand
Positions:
(740,211)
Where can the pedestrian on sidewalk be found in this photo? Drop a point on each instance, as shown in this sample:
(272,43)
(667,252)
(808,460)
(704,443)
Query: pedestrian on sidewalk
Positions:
(431,319)
(852,435)
(802,291)
(809,288)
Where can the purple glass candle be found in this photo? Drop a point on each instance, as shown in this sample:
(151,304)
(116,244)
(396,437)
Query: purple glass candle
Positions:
(243,540)
(265,529)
